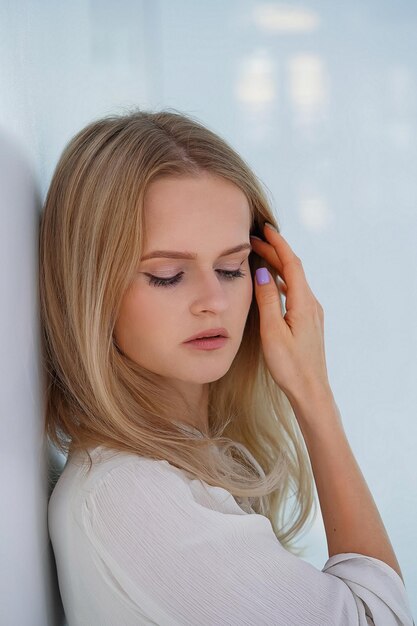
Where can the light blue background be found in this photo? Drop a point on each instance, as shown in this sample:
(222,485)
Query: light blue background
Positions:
(321,99)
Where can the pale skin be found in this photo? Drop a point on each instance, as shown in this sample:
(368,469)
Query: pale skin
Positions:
(207,215)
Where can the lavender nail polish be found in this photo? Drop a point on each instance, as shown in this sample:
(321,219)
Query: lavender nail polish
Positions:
(262,276)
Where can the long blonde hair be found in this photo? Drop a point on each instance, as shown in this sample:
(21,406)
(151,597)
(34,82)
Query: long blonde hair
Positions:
(91,238)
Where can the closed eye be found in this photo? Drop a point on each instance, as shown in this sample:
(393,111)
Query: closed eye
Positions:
(169,282)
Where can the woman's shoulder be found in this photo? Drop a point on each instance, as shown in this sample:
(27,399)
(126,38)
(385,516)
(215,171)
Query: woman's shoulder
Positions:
(124,483)
(106,462)
(109,468)
(120,476)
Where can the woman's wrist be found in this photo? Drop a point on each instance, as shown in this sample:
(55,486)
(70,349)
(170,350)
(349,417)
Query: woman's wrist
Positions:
(315,407)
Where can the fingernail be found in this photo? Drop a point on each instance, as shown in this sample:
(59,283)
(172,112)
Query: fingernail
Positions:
(255,237)
(270,226)
(262,276)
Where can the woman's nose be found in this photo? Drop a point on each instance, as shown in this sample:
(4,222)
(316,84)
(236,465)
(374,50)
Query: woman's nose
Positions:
(209,292)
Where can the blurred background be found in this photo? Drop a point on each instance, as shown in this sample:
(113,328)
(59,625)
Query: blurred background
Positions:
(320,98)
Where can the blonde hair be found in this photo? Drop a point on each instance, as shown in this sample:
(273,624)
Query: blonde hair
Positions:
(91,238)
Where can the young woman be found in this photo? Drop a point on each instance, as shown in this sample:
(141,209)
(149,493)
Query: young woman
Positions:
(183,452)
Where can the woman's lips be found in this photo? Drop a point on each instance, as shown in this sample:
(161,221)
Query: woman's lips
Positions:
(209,332)
(208,343)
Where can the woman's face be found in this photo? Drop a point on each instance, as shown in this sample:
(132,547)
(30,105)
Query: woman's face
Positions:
(204,216)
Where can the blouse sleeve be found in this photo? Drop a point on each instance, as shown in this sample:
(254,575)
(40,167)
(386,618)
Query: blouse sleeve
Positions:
(181,563)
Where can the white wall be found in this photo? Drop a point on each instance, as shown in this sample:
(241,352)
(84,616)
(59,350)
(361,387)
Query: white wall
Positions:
(321,99)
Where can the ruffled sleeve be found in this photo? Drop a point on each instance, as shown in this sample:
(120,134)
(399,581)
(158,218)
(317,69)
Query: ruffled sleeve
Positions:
(379,592)
(181,563)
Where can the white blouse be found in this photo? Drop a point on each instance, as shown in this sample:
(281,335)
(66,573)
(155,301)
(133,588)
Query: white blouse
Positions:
(139,541)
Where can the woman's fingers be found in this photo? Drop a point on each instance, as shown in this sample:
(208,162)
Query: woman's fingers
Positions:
(279,254)
(266,251)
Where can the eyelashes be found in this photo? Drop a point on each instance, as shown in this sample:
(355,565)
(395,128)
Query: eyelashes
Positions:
(169,282)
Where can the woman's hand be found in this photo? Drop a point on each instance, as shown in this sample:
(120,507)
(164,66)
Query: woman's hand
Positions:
(293,344)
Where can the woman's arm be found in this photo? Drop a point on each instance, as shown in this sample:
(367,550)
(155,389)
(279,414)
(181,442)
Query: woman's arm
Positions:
(351,518)
(293,347)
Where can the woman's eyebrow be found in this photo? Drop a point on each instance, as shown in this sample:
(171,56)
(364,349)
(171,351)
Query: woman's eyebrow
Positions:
(172,254)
